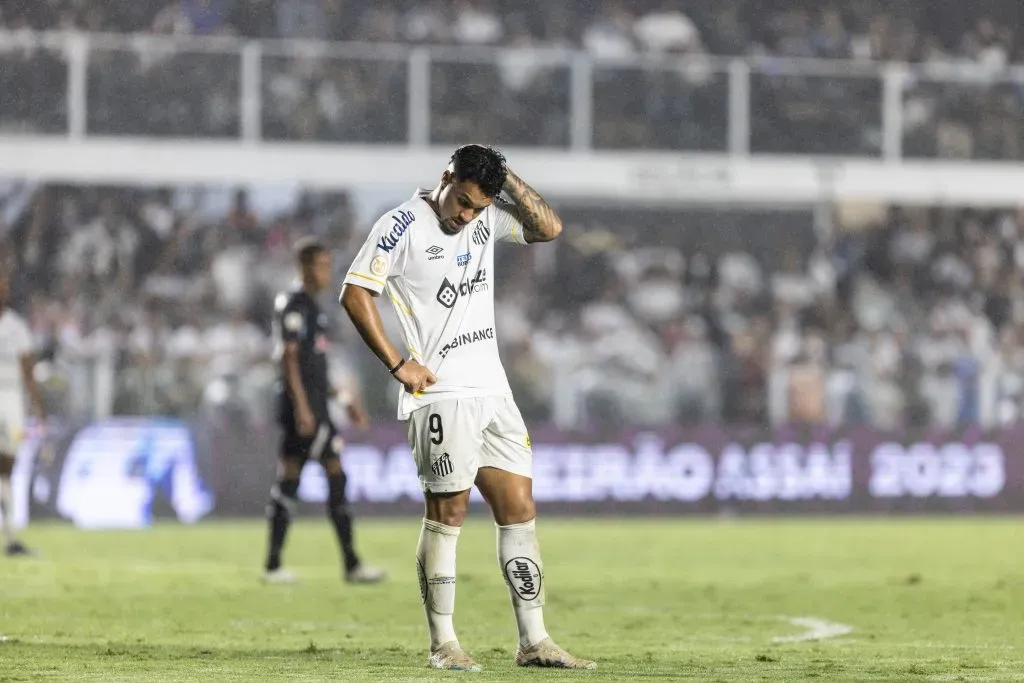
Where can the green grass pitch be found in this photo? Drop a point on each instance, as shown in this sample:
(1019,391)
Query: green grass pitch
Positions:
(697,599)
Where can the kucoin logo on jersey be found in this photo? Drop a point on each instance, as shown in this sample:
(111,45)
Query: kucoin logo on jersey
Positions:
(467,338)
(402,221)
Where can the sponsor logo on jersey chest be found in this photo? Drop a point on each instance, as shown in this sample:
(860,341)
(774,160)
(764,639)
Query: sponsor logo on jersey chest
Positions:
(467,338)
(448,293)
(401,222)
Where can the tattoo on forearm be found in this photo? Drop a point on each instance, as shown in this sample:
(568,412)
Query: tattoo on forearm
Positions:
(540,222)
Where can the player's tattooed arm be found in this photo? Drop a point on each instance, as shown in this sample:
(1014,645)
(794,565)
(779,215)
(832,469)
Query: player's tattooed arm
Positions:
(540,222)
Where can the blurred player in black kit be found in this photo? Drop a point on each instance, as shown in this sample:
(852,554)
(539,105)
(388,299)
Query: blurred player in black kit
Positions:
(300,339)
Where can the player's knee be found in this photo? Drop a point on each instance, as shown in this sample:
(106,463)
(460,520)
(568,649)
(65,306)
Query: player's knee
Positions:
(332,467)
(289,469)
(284,498)
(515,511)
(449,509)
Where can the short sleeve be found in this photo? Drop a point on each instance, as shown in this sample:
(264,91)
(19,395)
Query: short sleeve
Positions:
(507,226)
(382,255)
(293,323)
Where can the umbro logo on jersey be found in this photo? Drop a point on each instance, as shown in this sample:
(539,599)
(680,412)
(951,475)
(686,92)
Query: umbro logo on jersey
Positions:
(480,233)
(436,253)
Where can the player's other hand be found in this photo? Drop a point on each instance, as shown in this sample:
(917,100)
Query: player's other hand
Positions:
(415,377)
(358,415)
(305,421)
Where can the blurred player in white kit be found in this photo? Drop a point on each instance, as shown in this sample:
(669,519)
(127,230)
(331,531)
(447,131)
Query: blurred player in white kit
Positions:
(434,258)
(16,380)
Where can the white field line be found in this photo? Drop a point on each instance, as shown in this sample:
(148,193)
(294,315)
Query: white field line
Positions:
(817,629)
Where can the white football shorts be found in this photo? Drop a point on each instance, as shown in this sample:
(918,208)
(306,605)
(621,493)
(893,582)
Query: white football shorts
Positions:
(452,439)
(12,422)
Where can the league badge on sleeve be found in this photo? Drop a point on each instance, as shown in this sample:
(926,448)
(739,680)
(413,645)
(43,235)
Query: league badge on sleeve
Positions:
(379,266)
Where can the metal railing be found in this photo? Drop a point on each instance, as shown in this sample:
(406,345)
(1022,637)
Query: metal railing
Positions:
(82,85)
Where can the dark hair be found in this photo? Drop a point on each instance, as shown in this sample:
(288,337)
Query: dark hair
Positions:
(306,249)
(484,166)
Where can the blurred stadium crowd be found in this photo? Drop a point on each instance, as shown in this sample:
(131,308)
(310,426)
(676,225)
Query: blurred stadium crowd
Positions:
(869,29)
(137,84)
(157,302)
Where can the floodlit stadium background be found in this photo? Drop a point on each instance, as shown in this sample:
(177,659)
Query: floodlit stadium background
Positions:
(771,221)
(791,279)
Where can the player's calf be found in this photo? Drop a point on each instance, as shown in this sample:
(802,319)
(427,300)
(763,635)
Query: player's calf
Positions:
(283,504)
(341,519)
(523,571)
(511,499)
(519,557)
(435,568)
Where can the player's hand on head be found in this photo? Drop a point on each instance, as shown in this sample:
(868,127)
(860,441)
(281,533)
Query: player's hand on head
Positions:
(415,377)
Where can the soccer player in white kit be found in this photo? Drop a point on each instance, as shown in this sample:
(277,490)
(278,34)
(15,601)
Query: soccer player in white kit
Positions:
(434,258)
(16,379)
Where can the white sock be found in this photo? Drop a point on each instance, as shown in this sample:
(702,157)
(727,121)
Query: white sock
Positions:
(519,557)
(435,564)
(6,510)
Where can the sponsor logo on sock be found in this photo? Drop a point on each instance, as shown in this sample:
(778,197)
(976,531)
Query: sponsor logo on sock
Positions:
(441,581)
(524,576)
(442,467)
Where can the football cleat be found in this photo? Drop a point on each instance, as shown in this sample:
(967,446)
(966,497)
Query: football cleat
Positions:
(279,575)
(547,654)
(451,657)
(17,549)
(365,574)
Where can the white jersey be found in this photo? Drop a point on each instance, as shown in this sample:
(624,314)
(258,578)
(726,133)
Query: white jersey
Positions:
(15,342)
(442,289)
